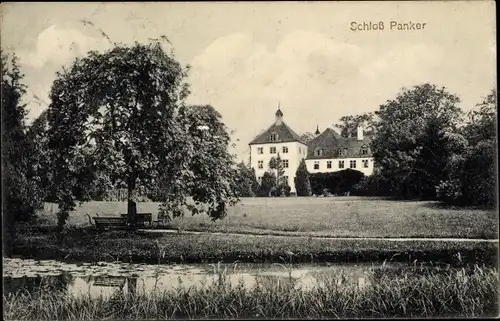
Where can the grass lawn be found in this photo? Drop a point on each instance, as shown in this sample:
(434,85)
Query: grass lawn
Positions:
(88,245)
(319,216)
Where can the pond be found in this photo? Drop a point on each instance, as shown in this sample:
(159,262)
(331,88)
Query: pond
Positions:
(105,279)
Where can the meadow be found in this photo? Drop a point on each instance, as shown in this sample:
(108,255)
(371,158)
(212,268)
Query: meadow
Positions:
(317,216)
(446,292)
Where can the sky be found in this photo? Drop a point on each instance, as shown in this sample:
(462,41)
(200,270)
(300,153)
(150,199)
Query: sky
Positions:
(246,57)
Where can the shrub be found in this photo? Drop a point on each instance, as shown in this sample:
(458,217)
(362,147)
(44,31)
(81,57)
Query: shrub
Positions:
(336,182)
(373,185)
(450,191)
(302,182)
(287,190)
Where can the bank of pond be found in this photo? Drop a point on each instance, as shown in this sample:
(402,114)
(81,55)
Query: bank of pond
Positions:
(87,245)
(51,289)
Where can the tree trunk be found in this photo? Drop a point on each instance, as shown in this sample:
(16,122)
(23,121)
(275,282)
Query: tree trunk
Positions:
(131,202)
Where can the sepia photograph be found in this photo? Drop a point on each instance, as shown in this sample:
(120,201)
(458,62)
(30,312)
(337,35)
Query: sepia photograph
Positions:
(249,160)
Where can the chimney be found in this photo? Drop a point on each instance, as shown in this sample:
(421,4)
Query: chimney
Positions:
(279,116)
(360,132)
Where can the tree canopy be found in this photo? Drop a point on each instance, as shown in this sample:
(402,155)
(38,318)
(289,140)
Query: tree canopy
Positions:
(349,124)
(246,181)
(21,195)
(411,145)
(307,137)
(121,114)
(471,177)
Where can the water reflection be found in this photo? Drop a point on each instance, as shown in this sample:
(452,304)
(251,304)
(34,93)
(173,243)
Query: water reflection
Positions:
(30,284)
(105,279)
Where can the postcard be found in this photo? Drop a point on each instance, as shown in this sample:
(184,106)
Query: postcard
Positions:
(237,160)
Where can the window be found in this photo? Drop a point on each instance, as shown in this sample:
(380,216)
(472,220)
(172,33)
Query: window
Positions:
(352,164)
(260,150)
(272,150)
(274,136)
(285,180)
(328,164)
(340,152)
(285,163)
(316,165)
(318,152)
(285,149)
(260,164)
(259,179)
(341,164)
(365,163)
(364,150)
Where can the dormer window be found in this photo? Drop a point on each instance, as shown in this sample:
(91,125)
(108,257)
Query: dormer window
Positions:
(318,152)
(274,137)
(364,150)
(342,151)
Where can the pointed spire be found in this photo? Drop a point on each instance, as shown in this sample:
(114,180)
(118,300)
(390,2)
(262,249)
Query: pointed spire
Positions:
(279,116)
(317,130)
(279,113)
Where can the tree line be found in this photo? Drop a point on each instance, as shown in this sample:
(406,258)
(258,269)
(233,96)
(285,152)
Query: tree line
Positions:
(426,147)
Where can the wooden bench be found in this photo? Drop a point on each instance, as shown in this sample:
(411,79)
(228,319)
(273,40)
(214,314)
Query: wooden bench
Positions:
(142,218)
(110,222)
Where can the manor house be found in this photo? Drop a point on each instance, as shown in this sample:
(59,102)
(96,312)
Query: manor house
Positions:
(327,152)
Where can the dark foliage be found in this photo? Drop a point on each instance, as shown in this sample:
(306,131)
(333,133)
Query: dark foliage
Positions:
(335,183)
(411,146)
(471,173)
(21,195)
(267,185)
(246,182)
(302,182)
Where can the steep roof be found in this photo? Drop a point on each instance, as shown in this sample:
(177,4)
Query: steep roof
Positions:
(285,135)
(330,141)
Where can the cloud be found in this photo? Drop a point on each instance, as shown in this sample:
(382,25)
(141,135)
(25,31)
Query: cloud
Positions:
(316,77)
(58,46)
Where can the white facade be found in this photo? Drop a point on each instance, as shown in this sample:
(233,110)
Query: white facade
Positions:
(291,153)
(364,165)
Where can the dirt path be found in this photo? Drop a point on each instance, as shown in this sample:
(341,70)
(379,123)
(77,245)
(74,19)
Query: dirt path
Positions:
(389,239)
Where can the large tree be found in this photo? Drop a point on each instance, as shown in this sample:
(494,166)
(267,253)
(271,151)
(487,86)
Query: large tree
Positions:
(471,171)
(411,145)
(21,197)
(121,113)
(246,182)
(213,169)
